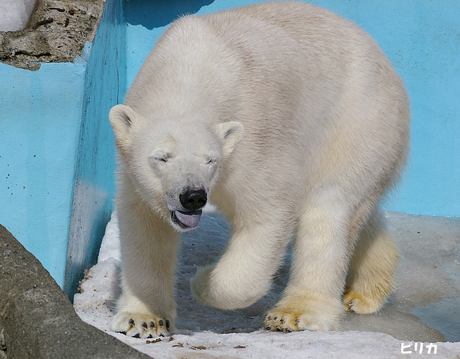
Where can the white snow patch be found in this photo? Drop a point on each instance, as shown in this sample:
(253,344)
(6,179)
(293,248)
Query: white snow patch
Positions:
(428,278)
(15,14)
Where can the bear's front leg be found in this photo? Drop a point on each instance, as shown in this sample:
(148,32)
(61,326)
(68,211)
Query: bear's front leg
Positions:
(244,272)
(322,246)
(148,251)
(136,319)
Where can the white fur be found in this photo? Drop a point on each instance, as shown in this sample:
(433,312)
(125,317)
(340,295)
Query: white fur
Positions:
(294,123)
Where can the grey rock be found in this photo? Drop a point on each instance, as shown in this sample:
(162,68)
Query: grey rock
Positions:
(57,32)
(37,319)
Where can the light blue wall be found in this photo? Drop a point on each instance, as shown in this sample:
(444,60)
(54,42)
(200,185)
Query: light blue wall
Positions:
(57,156)
(420,37)
(39,125)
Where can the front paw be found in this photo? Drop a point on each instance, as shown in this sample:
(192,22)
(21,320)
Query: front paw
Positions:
(141,325)
(200,285)
(210,289)
(219,288)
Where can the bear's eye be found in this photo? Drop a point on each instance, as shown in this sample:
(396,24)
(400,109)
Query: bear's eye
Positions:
(210,160)
(161,156)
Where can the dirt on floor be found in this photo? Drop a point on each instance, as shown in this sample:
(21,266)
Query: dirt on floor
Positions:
(57,32)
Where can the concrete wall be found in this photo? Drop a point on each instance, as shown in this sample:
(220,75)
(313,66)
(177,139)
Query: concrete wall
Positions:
(57,156)
(95,162)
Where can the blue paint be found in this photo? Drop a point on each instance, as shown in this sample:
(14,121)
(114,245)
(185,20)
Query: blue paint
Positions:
(420,37)
(37,148)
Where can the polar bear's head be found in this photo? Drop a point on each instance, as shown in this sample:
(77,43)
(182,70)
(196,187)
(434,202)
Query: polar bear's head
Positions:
(173,165)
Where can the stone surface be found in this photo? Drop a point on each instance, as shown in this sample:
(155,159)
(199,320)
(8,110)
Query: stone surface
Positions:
(57,32)
(37,319)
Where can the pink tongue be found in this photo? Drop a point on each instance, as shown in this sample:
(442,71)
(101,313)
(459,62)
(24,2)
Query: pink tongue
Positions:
(190,220)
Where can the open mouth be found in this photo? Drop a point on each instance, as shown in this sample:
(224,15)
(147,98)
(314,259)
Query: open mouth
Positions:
(186,220)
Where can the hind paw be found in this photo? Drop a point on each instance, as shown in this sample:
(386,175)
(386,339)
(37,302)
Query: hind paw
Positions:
(361,304)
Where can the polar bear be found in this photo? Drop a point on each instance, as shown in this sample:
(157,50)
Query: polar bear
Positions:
(291,121)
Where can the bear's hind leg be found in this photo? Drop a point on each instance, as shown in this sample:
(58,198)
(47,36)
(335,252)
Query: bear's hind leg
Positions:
(372,268)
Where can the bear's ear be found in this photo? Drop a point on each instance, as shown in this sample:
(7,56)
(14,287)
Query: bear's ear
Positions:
(231,134)
(122,118)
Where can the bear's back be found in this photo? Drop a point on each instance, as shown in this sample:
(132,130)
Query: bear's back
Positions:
(315,94)
(257,52)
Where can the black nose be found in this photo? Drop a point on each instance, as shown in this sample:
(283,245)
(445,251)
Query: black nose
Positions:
(192,200)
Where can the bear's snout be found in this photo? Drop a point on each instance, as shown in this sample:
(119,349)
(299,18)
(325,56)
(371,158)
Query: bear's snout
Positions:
(193,200)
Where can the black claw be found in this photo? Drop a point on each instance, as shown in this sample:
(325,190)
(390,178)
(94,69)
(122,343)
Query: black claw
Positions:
(167,324)
(150,336)
(161,323)
(162,335)
(137,335)
(152,324)
(275,318)
(122,333)
(131,322)
(144,325)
